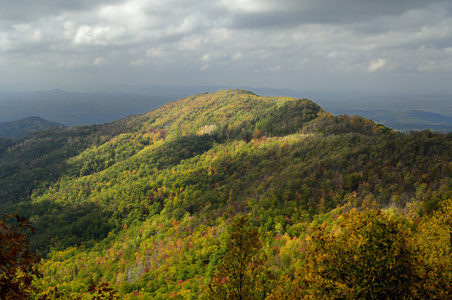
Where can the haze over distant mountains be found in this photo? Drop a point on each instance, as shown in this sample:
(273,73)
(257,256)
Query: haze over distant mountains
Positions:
(73,109)
(24,126)
(99,104)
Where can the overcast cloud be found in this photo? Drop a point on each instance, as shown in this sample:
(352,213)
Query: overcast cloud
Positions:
(394,45)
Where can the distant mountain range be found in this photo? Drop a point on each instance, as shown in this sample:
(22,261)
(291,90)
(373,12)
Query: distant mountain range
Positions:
(74,109)
(406,120)
(402,112)
(96,106)
(24,126)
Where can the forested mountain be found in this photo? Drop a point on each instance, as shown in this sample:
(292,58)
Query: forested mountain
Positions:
(24,126)
(144,203)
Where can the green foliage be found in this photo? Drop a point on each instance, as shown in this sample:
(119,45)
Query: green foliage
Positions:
(433,241)
(375,255)
(369,257)
(240,276)
(19,267)
(17,262)
(143,203)
(101,292)
(24,126)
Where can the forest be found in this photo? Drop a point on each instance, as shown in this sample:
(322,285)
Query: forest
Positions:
(230,195)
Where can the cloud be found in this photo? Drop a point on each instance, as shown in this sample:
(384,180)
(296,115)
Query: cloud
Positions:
(377,64)
(224,37)
(28,10)
(283,13)
(99,61)
(276,68)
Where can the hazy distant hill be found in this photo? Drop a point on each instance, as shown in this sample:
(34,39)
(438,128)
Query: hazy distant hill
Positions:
(99,106)
(402,112)
(74,109)
(24,126)
(407,120)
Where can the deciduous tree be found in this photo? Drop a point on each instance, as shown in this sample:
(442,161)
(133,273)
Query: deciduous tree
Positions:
(17,262)
(433,242)
(241,274)
(369,257)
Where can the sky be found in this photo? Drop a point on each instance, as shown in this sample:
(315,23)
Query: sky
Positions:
(345,45)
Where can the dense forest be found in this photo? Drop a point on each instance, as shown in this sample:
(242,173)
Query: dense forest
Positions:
(153,206)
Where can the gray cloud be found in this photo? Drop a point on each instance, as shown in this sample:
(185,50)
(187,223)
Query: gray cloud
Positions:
(243,42)
(254,13)
(28,10)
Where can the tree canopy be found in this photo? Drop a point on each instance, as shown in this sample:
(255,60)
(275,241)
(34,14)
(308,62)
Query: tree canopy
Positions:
(241,274)
(144,204)
(18,265)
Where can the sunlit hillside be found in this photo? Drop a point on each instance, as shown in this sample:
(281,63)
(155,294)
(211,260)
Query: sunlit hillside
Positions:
(145,204)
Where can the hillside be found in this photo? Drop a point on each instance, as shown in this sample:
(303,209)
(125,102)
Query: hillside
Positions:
(24,126)
(143,203)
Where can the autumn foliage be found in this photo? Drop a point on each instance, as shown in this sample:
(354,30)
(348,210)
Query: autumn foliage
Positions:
(241,275)
(145,204)
(17,263)
(375,255)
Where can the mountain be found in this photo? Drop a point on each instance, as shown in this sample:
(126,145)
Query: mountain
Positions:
(24,126)
(98,106)
(93,105)
(402,112)
(406,120)
(144,203)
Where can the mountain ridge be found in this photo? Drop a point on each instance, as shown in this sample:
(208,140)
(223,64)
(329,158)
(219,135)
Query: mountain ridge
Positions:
(142,202)
(106,103)
(25,126)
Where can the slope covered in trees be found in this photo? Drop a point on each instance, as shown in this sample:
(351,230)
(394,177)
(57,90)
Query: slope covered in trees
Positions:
(145,203)
(24,126)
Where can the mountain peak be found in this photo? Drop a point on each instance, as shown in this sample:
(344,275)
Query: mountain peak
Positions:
(26,125)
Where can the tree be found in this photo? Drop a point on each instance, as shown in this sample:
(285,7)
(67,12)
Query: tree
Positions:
(288,289)
(369,257)
(433,242)
(17,263)
(101,292)
(241,275)
(19,266)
